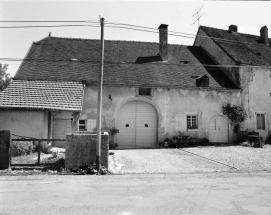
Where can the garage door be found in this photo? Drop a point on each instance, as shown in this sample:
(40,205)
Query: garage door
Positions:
(62,126)
(218,129)
(137,124)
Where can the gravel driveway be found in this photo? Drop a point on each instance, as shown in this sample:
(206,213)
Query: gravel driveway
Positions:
(183,161)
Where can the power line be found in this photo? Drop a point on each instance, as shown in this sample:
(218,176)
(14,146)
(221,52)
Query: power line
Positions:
(48,26)
(122,25)
(192,36)
(88,21)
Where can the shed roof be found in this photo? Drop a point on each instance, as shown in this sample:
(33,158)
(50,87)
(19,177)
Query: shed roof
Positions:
(127,63)
(53,95)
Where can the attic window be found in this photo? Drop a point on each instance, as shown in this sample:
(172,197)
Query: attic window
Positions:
(203,81)
(259,54)
(184,62)
(142,91)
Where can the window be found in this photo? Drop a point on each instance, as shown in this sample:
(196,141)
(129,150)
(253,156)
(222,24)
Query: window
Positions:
(203,81)
(144,91)
(192,122)
(260,121)
(82,125)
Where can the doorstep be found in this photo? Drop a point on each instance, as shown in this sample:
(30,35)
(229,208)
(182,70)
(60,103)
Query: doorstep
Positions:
(21,167)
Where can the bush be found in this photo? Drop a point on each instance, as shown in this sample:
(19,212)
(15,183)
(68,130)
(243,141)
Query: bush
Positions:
(22,148)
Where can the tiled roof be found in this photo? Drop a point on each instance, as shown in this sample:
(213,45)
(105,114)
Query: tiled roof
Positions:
(42,95)
(127,63)
(248,49)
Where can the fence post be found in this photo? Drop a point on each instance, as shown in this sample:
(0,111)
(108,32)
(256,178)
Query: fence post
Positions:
(5,152)
(39,152)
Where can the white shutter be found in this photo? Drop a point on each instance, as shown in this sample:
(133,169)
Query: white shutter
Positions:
(91,125)
(269,121)
(180,122)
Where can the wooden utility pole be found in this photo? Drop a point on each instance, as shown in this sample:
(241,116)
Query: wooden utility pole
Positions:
(100,92)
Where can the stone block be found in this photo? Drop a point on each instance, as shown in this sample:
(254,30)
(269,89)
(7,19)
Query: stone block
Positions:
(81,149)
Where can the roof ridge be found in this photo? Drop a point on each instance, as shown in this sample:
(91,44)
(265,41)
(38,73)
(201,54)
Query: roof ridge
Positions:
(236,32)
(131,41)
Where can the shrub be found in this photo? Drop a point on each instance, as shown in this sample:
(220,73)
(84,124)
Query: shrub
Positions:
(22,148)
(236,114)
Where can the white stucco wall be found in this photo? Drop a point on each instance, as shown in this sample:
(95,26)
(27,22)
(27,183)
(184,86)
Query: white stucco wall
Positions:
(25,123)
(256,96)
(167,103)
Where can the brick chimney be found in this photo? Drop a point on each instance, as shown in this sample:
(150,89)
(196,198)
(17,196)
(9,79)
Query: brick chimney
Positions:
(163,41)
(264,34)
(233,28)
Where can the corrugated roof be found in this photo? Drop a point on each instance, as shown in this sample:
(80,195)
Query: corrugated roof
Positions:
(53,95)
(127,63)
(247,49)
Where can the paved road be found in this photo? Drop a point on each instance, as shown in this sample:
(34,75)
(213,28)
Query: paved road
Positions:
(141,194)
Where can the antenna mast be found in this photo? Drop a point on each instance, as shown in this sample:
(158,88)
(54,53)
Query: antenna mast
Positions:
(197,13)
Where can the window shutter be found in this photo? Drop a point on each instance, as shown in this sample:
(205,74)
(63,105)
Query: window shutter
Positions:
(269,121)
(180,122)
(91,125)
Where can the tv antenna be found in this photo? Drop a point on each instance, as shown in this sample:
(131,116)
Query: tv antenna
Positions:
(197,13)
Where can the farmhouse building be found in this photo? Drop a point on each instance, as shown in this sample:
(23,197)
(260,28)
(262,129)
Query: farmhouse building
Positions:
(151,91)
(246,60)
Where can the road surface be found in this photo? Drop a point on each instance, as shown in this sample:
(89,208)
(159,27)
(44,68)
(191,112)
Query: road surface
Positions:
(137,194)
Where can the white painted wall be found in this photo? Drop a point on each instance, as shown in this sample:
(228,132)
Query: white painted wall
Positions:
(25,123)
(168,103)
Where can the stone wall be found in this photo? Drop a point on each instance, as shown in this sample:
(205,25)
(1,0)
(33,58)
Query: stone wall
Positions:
(81,149)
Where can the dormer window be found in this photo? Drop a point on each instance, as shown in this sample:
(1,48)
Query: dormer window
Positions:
(203,81)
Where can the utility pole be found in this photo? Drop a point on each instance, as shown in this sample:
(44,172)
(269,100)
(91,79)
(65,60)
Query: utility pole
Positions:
(100,92)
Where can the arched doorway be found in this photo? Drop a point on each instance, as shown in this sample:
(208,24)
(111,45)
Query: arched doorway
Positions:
(218,129)
(137,124)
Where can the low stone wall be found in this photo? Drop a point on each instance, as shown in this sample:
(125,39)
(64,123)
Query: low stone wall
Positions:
(81,149)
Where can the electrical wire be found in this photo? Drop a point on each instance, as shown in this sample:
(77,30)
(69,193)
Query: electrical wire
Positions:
(178,34)
(48,26)
(88,21)
(122,25)
(116,23)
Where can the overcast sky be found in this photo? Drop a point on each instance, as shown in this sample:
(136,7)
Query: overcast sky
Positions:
(249,16)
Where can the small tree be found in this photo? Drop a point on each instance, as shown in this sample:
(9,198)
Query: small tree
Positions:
(5,77)
(235,113)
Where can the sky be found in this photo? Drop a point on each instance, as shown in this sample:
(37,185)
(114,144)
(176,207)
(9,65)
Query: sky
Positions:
(249,16)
